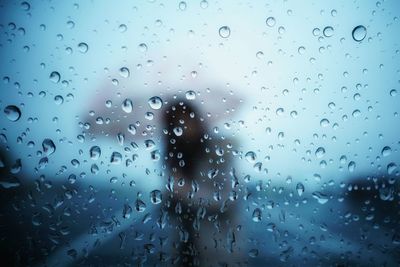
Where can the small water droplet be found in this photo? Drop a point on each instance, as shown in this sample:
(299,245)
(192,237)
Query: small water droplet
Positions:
(122,28)
(95,152)
(142,47)
(140,205)
(359,33)
(155,102)
(391,167)
(116,158)
(328,31)
(270,21)
(352,166)
(324,122)
(48,146)
(124,72)
(257,215)
(224,31)
(25,6)
(386,151)
(155,197)
(55,77)
(178,131)
(182,5)
(203,4)
(320,152)
(300,189)
(127,105)
(190,95)
(253,253)
(13,113)
(320,197)
(251,156)
(83,47)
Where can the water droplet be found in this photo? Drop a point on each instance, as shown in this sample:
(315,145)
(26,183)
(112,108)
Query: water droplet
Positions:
(13,113)
(58,100)
(178,131)
(70,24)
(359,33)
(155,197)
(224,31)
(25,6)
(251,156)
(301,50)
(95,152)
(122,28)
(324,122)
(270,21)
(320,152)
(300,189)
(140,205)
(328,31)
(132,129)
(116,158)
(155,102)
(83,47)
(391,167)
(257,215)
(386,151)
(190,95)
(126,212)
(142,47)
(351,166)
(127,105)
(55,77)
(386,193)
(316,31)
(253,253)
(48,146)
(124,72)
(203,4)
(320,197)
(182,5)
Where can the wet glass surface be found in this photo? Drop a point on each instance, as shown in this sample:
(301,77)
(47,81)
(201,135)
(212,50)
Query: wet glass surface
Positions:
(199,133)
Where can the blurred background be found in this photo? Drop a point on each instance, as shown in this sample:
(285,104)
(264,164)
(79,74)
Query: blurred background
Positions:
(301,98)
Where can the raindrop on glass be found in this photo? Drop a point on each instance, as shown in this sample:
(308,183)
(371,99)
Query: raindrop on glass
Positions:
(95,152)
(178,131)
(359,33)
(124,72)
(155,102)
(13,113)
(386,151)
(320,152)
(256,215)
(270,21)
(300,189)
(328,31)
(116,158)
(320,197)
(48,146)
(127,105)
(155,196)
(55,77)
(391,167)
(122,28)
(190,95)
(83,47)
(224,31)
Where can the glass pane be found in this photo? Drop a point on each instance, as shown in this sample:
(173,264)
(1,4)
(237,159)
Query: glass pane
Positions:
(199,133)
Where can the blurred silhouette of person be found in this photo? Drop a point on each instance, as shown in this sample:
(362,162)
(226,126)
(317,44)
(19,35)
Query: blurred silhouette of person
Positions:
(200,183)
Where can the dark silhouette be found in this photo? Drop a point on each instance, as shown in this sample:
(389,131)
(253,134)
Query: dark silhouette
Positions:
(185,155)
